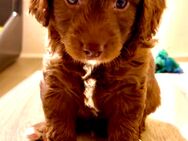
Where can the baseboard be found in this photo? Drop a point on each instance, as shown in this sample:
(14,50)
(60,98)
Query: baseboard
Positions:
(32,55)
(181,59)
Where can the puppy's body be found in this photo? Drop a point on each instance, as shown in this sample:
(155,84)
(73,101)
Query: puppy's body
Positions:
(116,35)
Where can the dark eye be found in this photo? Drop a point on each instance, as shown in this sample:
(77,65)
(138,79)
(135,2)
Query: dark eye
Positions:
(121,4)
(72,1)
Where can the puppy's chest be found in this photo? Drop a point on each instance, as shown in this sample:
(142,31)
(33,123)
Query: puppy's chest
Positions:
(90,85)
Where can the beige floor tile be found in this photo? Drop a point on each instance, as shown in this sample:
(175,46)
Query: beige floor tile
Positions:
(17,72)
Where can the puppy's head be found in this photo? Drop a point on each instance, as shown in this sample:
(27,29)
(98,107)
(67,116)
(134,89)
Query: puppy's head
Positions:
(98,30)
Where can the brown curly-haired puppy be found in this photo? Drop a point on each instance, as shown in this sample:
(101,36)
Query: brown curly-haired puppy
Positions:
(99,72)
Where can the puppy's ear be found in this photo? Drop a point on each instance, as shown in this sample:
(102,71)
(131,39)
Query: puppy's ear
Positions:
(146,24)
(40,8)
(151,11)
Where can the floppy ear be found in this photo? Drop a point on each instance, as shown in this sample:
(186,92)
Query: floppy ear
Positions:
(145,26)
(151,11)
(40,8)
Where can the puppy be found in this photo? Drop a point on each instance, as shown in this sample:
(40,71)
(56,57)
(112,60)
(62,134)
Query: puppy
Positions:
(99,72)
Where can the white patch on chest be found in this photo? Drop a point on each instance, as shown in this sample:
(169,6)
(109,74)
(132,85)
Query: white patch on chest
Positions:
(89,84)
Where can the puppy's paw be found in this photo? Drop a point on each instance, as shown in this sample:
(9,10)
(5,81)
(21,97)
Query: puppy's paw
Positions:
(36,132)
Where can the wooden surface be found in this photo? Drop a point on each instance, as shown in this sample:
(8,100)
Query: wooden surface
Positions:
(20,108)
(17,72)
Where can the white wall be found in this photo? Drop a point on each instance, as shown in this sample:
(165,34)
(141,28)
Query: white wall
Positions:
(173,32)
(34,34)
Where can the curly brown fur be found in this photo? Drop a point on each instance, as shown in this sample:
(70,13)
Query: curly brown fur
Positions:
(118,39)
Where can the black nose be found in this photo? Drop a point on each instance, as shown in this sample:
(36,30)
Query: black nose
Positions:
(93,50)
(91,53)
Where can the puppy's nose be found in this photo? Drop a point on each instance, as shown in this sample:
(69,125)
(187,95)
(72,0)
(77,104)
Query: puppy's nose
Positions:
(93,50)
(91,53)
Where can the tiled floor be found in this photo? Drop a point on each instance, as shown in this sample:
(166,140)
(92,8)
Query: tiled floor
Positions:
(174,101)
(17,72)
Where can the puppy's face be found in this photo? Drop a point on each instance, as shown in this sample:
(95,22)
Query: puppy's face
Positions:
(97,30)
(94,30)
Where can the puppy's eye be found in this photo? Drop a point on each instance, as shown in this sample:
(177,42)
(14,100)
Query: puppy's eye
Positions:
(72,2)
(121,4)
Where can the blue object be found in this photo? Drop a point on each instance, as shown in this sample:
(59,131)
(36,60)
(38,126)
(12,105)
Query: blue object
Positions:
(166,64)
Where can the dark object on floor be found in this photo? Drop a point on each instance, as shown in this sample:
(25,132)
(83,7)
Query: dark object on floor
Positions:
(11,33)
(166,64)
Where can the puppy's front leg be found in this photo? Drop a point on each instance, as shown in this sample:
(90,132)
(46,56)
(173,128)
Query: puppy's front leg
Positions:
(125,121)
(60,110)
